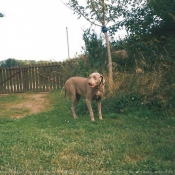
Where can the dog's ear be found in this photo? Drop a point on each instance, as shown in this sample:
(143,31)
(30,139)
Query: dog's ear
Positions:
(102,79)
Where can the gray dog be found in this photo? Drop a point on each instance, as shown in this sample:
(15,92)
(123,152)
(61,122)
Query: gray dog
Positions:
(92,88)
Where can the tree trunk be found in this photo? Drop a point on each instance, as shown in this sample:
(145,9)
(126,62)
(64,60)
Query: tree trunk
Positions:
(109,60)
(108,48)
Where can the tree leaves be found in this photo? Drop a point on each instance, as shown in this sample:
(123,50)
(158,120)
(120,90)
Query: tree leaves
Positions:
(1,15)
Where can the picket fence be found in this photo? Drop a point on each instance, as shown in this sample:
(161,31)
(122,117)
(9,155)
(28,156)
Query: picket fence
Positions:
(38,78)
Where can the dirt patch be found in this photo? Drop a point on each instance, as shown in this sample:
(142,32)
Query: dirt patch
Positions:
(33,103)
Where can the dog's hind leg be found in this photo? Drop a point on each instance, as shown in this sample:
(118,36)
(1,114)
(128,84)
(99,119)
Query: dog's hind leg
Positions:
(75,99)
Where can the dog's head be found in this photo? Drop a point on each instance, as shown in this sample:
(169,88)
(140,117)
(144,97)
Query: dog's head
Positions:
(95,80)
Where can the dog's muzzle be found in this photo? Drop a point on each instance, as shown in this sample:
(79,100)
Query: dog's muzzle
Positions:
(91,85)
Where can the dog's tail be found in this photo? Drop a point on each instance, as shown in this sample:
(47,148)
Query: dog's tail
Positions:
(65,92)
(63,89)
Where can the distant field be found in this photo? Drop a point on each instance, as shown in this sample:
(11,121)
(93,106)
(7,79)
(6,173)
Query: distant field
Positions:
(50,141)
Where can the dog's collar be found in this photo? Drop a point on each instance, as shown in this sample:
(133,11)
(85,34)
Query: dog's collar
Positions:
(98,87)
(101,82)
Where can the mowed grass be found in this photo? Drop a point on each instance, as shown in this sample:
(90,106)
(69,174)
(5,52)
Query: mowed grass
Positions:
(52,142)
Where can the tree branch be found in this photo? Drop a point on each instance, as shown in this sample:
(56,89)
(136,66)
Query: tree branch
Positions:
(93,8)
(80,13)
(103,23)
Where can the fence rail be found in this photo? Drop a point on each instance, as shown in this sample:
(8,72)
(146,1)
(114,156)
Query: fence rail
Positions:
(31,78)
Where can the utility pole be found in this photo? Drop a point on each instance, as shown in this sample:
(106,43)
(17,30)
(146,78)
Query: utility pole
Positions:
(67,42)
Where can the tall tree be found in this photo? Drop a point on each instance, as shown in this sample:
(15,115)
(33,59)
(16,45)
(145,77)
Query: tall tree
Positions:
(100,13)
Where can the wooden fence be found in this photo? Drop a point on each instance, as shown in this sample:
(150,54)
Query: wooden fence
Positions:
(32,78)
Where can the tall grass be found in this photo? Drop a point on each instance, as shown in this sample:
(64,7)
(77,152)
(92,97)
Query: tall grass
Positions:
(153,89)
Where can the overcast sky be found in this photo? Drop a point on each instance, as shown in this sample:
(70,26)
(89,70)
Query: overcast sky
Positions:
(36,30)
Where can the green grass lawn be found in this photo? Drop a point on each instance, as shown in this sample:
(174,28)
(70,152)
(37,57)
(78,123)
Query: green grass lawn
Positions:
(52,142)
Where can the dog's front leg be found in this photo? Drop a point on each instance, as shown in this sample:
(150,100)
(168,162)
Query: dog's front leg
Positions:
(99,109)
(88,101)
